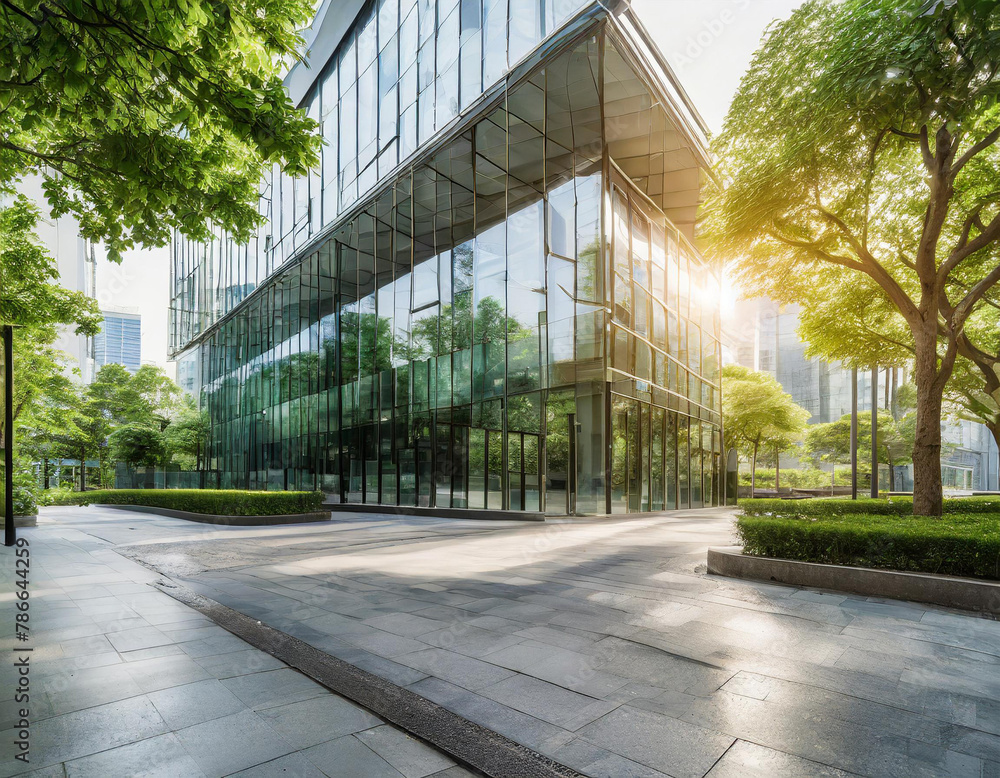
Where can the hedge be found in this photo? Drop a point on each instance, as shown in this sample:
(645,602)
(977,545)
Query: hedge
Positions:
(215,501)
(891,506)
(963,544)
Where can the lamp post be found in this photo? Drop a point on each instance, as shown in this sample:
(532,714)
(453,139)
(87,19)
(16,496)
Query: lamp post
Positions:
(854,433)
(9,531)
(874,491)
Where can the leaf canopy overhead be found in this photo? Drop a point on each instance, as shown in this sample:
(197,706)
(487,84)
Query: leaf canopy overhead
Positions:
(824,148)
(149,115)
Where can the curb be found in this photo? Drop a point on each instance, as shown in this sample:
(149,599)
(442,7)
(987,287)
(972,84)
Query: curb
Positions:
(469,743)
(477,514)
(235,521)
(970,594)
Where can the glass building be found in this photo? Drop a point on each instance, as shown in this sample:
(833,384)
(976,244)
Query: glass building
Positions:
(120,340)
(487,295)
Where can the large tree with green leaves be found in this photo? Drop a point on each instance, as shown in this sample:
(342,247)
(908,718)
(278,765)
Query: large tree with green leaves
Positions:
(758,415)
(864,136)
(144,117)
(856,324)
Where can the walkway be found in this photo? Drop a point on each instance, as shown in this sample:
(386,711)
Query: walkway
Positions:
(125,681)
(603,644)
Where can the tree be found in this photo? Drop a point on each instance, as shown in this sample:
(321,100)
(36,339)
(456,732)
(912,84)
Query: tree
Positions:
(153,398)
(857,325)
(115,399)
(831,443)
(34,304)
(145,117)
(863,136)
(137,445)
(186,436)
(974,390)
(757,414)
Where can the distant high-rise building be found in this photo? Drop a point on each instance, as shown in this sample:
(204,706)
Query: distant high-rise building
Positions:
(119,341)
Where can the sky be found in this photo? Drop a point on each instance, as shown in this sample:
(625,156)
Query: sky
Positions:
(709,44)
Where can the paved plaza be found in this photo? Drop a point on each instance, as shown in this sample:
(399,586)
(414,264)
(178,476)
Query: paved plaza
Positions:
(127,682)
(602,644)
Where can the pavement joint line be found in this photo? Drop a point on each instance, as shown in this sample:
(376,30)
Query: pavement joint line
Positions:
(472,744)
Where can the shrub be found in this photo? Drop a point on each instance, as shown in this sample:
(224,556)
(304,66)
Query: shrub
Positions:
(57,495)
(215,501)
(25,491)
(892,506)
(795,478)
(965,544)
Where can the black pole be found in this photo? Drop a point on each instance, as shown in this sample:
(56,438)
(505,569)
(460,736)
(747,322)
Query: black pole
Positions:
(874,492)
(854,433)
(9,532)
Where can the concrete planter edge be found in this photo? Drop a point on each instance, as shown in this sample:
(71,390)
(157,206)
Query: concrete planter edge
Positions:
(971,594)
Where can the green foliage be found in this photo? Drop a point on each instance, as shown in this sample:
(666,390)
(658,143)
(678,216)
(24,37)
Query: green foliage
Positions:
(890,506)
(137,445)
(794,478)
(145,116)
(57,495)
(185,438)
(221,502)
(757,415)
(25,489)
(30,295)
(861,151)
(831,443)
(965,544)
(849,319)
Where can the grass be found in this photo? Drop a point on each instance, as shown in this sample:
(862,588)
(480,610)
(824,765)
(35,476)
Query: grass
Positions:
(841,532)
(221,502)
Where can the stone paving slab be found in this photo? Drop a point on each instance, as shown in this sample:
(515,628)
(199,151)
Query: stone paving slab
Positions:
(616,653)
(126,681)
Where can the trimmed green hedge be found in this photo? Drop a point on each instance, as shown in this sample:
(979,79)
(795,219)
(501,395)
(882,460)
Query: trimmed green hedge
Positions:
(888,506)
(215,501)
(963,544)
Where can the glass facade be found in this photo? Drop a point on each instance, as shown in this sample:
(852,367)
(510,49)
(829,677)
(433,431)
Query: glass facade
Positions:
(507,321)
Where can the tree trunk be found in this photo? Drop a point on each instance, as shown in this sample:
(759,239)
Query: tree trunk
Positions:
(927,490)
(833,480)
(83,471)
(753,471)
(777,468)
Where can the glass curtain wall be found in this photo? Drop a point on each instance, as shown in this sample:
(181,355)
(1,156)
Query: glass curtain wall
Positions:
(510,324)
(420,355)
(404,71)
(664,361)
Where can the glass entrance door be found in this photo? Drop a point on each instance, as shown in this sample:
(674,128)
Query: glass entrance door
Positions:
(523,482)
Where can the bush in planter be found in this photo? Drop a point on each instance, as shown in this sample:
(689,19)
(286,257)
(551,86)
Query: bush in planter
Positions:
(892,506)
(25,492)
(221,502)
(57,495)
(25,489)
(963,544)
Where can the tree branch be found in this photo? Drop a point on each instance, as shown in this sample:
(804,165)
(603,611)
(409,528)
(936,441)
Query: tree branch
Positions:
(968,303)
(966,247)
(985,143)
